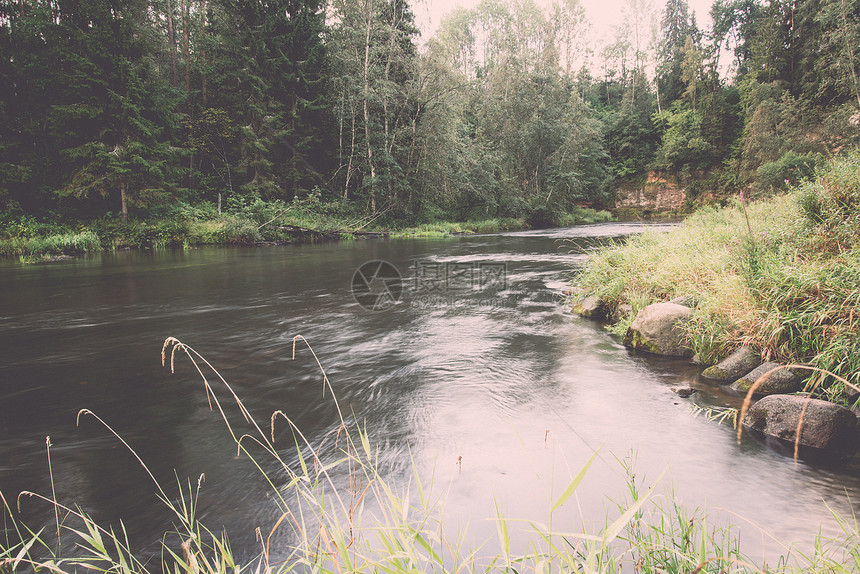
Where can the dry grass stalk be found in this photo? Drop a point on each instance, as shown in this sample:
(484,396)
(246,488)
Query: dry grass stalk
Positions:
(763,379)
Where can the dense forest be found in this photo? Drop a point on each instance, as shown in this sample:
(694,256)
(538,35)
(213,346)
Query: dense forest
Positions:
(118,109)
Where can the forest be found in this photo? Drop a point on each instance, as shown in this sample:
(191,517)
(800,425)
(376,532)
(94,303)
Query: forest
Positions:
(140,110)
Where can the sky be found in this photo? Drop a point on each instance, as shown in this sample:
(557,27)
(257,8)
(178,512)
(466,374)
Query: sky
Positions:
(603,14)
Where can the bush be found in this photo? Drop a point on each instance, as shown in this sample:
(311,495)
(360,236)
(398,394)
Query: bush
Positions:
(788,170)
(831,205)
(240,230)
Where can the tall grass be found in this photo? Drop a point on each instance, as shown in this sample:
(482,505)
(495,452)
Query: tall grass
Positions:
(447,228)
(780,274)
(50,245)
(375,526)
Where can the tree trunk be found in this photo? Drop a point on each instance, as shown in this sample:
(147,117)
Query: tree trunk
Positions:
(171,37)
(367,39)
(850,50)
(203,52)
(123,198)
(186,50)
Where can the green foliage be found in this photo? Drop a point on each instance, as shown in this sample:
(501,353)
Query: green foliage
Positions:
(50,245)
(683,145)
(133,106)
(787,171)
(632,140)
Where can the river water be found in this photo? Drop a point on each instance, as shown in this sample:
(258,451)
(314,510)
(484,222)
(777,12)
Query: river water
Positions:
(468,370)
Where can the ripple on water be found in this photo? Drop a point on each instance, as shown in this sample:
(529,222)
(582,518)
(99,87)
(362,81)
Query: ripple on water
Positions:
(503,400)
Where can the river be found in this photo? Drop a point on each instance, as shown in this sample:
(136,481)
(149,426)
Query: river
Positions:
(468,369)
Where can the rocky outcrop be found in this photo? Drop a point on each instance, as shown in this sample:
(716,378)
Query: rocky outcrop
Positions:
(826,426)
(656,194)
(734,366)
(781,382)
(659,329)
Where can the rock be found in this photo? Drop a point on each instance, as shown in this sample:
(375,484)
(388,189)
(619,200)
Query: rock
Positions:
(734,366)
(622,311)
(781,382)
(826,426)
(684,392)
(592,307)
(658,329)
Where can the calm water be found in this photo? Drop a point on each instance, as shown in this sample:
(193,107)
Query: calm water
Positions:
(482,379)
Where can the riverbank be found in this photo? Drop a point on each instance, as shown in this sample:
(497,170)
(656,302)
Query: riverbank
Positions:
(779,274)
(33,240)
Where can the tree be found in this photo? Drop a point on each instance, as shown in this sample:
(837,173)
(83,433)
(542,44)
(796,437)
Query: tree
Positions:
(101,118)
(683,145)
(377,86)
(676,26)
(286,112)
(734,26)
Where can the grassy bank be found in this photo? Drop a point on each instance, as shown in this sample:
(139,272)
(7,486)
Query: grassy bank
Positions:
(340,514)
(579,216)
(182,226)
(185,226)
(781,274)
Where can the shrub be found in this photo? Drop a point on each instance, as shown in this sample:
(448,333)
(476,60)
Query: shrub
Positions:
(240,230)
(788,170)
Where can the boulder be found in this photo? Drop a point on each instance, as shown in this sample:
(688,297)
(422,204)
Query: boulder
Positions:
(782,381)
(659,329)
(826,426)
(734,366)
(592,307)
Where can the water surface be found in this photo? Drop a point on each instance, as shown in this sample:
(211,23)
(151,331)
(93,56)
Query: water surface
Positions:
(476,374)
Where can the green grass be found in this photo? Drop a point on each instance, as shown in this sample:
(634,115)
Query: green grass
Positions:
(374,526)
(780,274)
(584,215)
(183,226)
(448,228)
(50,245)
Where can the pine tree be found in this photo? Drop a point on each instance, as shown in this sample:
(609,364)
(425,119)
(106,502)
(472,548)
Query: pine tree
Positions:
(286,112)
(111,122)
(676,25)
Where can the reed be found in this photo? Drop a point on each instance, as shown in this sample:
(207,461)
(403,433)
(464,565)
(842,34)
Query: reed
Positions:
(50,245)
(375,526)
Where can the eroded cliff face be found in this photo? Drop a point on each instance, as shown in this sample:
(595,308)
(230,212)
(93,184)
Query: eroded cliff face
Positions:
(657,194)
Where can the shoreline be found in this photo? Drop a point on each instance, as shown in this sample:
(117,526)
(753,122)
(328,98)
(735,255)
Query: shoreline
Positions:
(44,242)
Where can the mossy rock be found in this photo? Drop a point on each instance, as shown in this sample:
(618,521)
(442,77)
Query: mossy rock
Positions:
(783,381)
(826,426)
(591,307)
(735,366)
(660,329)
